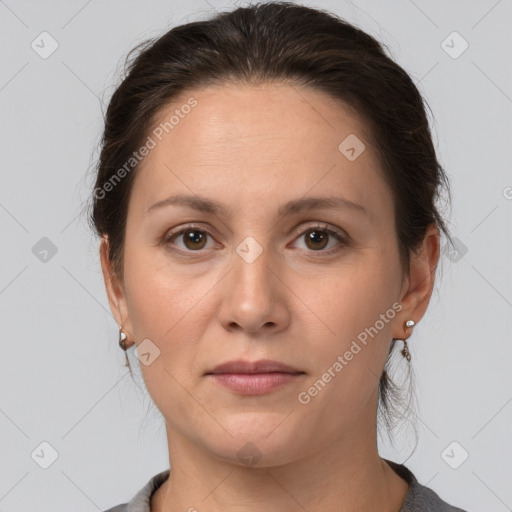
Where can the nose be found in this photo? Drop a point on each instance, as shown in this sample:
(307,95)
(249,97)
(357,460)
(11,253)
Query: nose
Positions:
(254,296)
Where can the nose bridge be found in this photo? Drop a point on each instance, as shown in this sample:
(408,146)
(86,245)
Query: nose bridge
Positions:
(251,298)
(252,273)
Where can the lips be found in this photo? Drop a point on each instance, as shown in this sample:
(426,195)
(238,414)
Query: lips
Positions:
(253,367)
(254,377)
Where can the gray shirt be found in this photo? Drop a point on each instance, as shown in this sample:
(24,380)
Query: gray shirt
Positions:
(418,499)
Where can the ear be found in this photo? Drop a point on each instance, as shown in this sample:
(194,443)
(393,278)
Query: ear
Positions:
(115,291)
(418,287)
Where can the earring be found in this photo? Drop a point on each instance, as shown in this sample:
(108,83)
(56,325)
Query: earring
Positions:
(122,344)
(405,351)
(122,340)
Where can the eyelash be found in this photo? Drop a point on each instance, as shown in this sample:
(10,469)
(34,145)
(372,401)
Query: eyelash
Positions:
(315,227)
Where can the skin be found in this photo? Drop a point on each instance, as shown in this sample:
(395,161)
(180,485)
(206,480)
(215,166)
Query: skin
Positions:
(253,148)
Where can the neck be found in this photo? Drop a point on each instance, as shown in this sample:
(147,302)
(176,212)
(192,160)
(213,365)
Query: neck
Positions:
(346,475)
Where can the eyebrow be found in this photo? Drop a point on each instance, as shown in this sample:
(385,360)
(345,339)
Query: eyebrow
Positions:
(213,207)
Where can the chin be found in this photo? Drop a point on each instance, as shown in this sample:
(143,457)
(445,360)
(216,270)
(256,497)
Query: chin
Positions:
(257,439)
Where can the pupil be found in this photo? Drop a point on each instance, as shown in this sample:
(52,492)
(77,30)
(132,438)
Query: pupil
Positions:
(190,236)
(319,237)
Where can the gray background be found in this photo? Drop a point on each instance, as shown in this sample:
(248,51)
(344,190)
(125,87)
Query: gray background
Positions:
(61,376)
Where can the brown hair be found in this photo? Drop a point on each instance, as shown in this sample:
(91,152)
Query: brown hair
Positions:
(286,43)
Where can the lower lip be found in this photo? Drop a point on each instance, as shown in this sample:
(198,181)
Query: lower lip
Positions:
(254,383)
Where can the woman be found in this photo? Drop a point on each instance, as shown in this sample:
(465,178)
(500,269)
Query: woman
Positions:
(265,200)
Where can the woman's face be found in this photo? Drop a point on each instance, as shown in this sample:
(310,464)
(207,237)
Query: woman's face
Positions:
(260,278)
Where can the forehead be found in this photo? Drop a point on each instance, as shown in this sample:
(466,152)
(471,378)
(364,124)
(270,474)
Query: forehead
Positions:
(256,140)
(254,117)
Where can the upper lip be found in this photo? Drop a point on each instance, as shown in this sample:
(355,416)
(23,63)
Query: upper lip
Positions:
(261,366)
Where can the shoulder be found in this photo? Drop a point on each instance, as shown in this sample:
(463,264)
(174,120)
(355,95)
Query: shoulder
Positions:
(424,498)
(420,498)
(118,508)
(142,499)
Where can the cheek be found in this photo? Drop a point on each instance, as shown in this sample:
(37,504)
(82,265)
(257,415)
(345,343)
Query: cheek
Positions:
(165,308)
(169,307)
(352,298)
(157,297)
(354,312)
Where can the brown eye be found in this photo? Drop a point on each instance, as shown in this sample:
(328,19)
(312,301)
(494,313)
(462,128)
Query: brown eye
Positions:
(194,239)
(316,239)
(191,239)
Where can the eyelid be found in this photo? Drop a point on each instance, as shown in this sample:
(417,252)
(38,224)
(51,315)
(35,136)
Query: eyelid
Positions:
(321,226)
(187,227)
(334,232)
(341,235)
